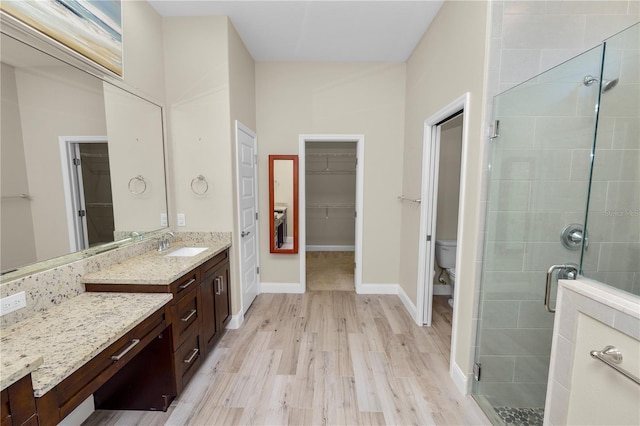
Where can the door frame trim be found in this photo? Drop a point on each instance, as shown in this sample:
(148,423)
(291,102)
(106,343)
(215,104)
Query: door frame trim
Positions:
(66,144)
(241,127)
(424,286)
(302,232)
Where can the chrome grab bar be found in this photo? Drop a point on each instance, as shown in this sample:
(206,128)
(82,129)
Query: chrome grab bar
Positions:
(570,272)
(612,356)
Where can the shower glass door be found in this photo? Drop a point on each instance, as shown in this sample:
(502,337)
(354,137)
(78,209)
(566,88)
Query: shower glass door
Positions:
(540,169)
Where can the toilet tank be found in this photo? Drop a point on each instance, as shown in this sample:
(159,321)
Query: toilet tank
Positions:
(446,253)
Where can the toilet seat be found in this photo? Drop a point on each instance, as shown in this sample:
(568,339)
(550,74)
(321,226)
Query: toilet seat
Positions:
(452,273)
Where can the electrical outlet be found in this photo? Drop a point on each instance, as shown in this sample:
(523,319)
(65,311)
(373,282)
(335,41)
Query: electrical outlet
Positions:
(163,219)
(181,220)
(12,303)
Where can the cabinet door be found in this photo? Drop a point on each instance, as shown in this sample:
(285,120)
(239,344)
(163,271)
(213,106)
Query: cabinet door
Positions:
(222,298)
(208,290)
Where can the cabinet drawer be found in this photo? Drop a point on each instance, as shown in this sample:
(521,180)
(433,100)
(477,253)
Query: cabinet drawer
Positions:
(186,315)
(85,381)
(188,358)
(215,261)
(186,283)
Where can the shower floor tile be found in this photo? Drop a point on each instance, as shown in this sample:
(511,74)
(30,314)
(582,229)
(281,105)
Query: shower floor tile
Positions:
(521,416)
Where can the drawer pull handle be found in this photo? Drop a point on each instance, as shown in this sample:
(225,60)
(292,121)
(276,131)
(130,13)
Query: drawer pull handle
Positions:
(194,353)
(218,285)
(187,284)
(133,344)
(188,317)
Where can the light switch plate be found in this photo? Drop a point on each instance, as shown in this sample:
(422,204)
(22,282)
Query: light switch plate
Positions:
(182,221)
(12,303)
(163,219)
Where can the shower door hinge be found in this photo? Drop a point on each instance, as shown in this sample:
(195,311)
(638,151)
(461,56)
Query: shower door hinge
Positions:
(476,371)
(82,213)
(495,129)
(428,237)
(76,161)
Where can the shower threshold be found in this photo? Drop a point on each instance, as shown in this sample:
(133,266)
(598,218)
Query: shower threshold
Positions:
(510,416)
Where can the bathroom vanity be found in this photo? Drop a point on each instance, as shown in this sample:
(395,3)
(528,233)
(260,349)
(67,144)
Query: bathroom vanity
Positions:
(200,308)
(133,340)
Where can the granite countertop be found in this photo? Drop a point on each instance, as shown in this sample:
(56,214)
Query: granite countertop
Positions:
(17,365)
(67,336)
(155,267)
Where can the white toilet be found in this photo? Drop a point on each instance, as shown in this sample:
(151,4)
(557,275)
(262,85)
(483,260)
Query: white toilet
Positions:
(446,258)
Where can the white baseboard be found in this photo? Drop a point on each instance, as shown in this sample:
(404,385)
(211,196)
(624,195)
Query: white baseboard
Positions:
(442,290)
(378,289)
(460,379)
(236,321)
(331,248)
(281,288)
(80,414)
(408,304)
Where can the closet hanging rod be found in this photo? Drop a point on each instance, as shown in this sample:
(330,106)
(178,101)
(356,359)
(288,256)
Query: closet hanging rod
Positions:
(413,200)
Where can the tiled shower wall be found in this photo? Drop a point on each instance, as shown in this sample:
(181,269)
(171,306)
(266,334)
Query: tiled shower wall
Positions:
(526,39)
(614,217)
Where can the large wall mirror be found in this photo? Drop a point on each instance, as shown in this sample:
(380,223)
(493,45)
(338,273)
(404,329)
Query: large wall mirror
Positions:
(82,162)
(283,203)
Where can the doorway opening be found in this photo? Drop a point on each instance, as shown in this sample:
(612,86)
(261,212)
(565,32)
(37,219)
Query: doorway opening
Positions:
(88,192)
(331,182)
(434,127)
(331,213)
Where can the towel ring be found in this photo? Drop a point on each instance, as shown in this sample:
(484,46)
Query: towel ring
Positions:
(199,185)
(139,182)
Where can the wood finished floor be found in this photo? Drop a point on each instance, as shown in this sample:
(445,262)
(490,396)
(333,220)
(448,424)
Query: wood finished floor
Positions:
(323,357)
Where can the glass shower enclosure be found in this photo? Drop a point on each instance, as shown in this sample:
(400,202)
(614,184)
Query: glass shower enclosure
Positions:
(564,189)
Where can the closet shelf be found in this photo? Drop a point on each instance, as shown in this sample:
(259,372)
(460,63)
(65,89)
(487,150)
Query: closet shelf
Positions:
(331,206)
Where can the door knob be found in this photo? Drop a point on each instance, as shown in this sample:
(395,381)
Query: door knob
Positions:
(244,234)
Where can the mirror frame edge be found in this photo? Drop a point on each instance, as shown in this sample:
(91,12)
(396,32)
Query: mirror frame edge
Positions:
(19,31)
(272,159)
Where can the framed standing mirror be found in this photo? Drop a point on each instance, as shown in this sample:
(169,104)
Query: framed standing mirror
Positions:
(283,203)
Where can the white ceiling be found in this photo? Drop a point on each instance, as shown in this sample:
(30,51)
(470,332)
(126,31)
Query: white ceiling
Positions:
(319,30)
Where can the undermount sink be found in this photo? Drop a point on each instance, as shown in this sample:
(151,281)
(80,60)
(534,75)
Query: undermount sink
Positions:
(186,252)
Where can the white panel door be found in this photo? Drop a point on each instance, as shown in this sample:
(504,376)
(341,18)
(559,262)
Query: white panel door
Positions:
(248,224)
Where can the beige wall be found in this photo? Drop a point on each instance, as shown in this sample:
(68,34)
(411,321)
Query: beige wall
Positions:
(448,61)
(18,242)
(54,102)
(209,85)
(242,100)
(134,127)
(197,95)
(337,98)
(143,49)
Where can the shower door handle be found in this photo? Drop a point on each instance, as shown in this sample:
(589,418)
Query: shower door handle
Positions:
(567,271)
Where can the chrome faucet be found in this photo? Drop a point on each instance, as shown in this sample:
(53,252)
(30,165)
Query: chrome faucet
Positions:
(163,242)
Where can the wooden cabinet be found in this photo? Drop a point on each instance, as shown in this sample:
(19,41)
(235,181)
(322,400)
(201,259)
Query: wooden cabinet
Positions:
(216,312)
(109,375)
(200,310)
(18,404)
